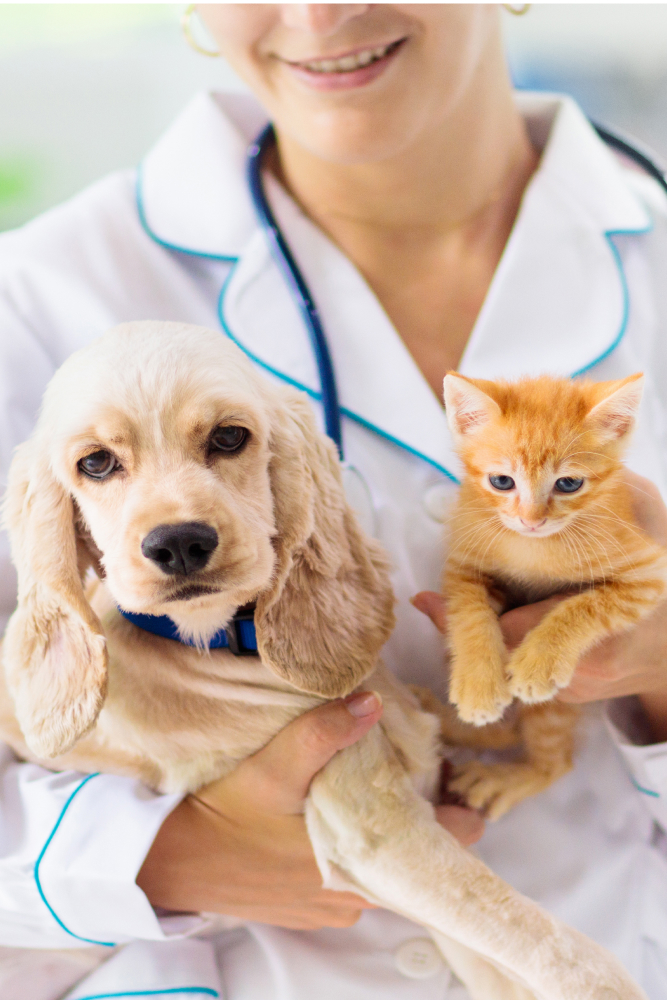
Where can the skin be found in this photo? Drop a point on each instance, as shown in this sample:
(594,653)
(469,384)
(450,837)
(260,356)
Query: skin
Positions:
(417,176)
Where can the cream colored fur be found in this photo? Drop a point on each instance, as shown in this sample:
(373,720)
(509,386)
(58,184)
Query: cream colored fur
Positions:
(87,689)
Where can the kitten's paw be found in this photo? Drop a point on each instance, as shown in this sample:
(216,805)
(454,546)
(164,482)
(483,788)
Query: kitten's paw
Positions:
(479,700)
(534,677)
(496,788)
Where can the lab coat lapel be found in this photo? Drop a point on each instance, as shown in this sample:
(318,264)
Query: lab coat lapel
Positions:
(559,301)
(379,384)
(192,193)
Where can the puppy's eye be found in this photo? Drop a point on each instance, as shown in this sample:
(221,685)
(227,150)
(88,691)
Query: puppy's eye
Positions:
(99,465)
(568,484)
(228,439)
(502,482)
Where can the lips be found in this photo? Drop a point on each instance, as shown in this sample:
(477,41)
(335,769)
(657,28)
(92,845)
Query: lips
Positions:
(192,590)
(350,70)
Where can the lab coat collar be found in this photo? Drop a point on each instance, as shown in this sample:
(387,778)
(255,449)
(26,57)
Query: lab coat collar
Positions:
(192,193)
(558,302)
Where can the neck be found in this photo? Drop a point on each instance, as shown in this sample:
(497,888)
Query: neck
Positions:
(465,160)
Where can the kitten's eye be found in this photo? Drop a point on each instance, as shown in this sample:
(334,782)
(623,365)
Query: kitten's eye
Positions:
(99,465)
(502,482)
(228,439)
(568,484)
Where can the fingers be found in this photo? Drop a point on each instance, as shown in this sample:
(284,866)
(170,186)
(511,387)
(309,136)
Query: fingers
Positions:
(465,824)
(432,604)
(517,623)
(648,508)
(277,778)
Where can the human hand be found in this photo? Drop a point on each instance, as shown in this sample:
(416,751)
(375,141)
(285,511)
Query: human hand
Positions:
(631,663)
(240,845)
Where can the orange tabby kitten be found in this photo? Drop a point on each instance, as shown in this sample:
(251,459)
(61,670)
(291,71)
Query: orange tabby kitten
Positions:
(543,508)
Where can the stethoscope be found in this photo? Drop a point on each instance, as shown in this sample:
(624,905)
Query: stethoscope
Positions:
(300,290)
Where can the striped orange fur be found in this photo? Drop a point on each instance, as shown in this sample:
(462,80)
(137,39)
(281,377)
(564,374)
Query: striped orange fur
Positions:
(543,509)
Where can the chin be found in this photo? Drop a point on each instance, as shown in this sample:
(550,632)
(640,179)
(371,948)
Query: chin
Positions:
(353,136)
(200,618)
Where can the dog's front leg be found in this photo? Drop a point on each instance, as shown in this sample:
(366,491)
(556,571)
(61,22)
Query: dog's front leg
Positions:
(372,831)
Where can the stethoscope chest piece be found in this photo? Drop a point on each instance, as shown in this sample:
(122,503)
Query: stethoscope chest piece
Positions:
(359,498)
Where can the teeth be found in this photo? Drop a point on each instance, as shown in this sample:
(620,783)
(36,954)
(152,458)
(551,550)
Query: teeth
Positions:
(347,63)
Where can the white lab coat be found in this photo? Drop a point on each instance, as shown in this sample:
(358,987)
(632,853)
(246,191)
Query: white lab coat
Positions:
(581,287)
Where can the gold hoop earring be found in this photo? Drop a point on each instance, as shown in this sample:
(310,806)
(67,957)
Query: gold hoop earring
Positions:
(518,9)
(186,28)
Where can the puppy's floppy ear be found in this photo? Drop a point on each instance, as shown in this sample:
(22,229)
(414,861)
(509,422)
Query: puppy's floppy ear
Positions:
(54,650)
(329,609)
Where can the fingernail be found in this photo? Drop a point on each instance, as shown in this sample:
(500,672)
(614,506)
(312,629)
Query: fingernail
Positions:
(362,704)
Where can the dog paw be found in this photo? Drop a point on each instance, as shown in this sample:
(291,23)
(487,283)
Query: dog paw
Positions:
(480,701)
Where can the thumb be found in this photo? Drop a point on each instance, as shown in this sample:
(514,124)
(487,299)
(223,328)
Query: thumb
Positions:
(277,778)
(430,603)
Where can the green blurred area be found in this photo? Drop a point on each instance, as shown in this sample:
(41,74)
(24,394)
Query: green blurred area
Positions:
(81,93)
(19,176)
(27,25)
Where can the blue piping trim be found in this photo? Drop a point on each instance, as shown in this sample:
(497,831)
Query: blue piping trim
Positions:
(400,444)
(141,211)
(317,395)
(205,990)
(107,944)
(645,791)
(609,234)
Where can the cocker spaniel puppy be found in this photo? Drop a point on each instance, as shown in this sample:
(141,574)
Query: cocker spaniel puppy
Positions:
(192,487)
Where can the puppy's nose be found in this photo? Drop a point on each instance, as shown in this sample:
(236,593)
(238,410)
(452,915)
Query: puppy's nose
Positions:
(180,548)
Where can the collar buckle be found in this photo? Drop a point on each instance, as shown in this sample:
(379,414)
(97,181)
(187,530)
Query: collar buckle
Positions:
(237,634)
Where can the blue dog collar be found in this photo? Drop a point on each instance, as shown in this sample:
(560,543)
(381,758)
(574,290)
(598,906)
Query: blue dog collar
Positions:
(238,635)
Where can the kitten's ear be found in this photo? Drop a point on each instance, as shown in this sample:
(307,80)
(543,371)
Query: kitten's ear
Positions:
(614,416)
(468,408)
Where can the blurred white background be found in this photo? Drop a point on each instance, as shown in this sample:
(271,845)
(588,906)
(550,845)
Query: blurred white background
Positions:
(87,88)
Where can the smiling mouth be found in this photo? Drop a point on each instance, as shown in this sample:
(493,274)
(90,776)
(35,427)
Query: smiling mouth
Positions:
(349,63)
(192,590)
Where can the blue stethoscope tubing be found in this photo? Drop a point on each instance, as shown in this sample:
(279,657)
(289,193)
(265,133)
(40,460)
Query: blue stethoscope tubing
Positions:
(300,290)
(298,286)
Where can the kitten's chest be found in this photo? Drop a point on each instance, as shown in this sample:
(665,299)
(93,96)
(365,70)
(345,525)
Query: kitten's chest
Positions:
(528,570)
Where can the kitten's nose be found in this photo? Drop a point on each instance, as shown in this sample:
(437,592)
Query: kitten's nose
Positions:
(533,524)
(180,548)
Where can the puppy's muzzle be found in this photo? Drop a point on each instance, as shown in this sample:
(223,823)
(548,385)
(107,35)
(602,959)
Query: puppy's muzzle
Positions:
(180,549)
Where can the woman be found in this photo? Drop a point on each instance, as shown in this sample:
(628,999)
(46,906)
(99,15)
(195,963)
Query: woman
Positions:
(439,224)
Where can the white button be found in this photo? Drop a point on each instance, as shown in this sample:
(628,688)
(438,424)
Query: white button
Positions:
(438,500)
(419,959)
